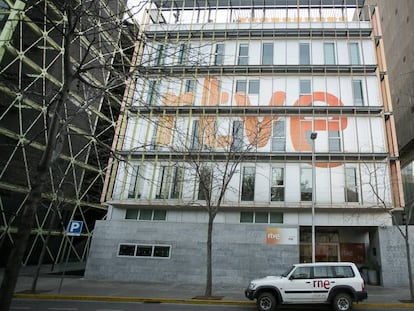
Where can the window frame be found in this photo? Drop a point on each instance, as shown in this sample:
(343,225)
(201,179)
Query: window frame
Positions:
(304,59)
(305,196)
(354,54)
(248,194)
(354,184)
(268,57)
(277,186)
(219,54)
(270,216)
(358,92)
(153,250)
(329,55)
(134,191)
(243,60)
(278,140)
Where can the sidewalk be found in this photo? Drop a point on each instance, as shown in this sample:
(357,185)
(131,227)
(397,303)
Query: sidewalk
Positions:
(78,288)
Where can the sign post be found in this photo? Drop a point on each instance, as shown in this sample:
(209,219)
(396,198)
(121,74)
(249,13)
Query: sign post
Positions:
(74,229)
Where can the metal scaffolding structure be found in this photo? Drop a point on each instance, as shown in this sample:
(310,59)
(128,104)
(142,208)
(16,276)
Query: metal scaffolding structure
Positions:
(32,74)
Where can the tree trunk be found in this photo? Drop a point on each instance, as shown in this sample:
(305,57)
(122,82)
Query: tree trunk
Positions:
(209,279)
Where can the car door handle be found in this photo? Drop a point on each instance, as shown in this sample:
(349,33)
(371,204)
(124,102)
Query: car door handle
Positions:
(308,282)
(333,282)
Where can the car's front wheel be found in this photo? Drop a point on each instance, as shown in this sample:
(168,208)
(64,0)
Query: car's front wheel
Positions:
(342,302)
(266,302)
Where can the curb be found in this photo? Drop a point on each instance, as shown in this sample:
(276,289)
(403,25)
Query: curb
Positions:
(182,301)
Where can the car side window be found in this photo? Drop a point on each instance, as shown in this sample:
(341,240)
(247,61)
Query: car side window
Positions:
(302,273)
(323,272)
(344,272)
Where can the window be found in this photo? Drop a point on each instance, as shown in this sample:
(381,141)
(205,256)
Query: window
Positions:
(323,272)
(306,184)
(169,184)
(205,183)
(305,87)
(343,272)
(351,187)
(254,86)
(267,54)
(243,54)
(334,138)
(241,86)
(248,182)
(134,184)
(190,86)
(219,54)
(357,90)
(279,135)
(144,250)
(302,273)
(126,250)
(261,217)
(183,54)
(237,143)
(152,94)
(354,53)
(304,54)
(159,55)
(145,214)
(195,136)
(277,188)
(329,53)
(154,144)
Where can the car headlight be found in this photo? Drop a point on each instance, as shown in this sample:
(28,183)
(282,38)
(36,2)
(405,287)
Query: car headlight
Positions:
(252,285)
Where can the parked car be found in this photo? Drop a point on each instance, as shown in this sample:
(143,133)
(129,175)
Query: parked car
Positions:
(336,283)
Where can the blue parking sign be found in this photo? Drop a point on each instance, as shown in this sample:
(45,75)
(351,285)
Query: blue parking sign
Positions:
(75,228)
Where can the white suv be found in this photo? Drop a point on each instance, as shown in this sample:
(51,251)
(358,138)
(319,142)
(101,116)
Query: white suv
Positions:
(335,283)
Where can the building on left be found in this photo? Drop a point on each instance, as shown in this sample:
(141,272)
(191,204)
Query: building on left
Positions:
(32,73)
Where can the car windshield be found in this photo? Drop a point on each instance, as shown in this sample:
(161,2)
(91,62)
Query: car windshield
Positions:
(287,271)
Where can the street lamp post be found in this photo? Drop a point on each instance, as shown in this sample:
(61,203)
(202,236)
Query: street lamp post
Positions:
(313,137)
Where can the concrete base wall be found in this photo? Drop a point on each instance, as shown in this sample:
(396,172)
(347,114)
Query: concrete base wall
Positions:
(393,256)
(240,252)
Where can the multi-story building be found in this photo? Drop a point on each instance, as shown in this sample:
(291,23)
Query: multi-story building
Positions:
(33,36)
(285,103)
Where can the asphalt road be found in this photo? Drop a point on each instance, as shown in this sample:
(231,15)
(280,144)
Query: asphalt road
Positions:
(76,305)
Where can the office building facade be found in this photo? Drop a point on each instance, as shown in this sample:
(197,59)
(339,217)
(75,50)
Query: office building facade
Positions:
(277,115)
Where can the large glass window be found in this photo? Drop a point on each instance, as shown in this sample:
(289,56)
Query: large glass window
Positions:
(237,143)
(152,93)
(279,135)
(267,54)
(304,53)
(329,53)
(182,54)
(334,141)
(354,53)
(306,184)
(195,136)
(261,217)
(141,250)
(169,185)
(159,55)
(351,187)
(357,91)
(243,54)
(219,54)
(254,86)
(190,86)
(277,190)
(305,87)
(205,183)
(248,183)
(145,214)
(133,183)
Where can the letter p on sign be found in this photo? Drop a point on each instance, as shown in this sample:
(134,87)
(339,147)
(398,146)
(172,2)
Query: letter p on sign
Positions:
(75,228)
